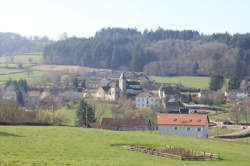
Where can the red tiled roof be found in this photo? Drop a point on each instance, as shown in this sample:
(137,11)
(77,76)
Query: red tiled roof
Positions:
(125,124)
(182,119)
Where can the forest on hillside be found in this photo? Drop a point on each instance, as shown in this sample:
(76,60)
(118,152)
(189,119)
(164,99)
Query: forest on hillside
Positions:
(160,52)
(14,44)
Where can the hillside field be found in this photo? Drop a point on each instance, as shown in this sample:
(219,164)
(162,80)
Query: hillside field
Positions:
(72,146)
(187,81)
(35,56)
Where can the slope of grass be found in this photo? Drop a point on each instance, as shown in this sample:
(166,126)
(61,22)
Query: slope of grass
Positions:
(213,131)
(25,75)
(187,81)
(69,146)
(102,110)
(35,56)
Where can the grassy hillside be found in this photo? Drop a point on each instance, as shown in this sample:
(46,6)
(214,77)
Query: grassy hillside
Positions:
(187,81)
(35,56)
(32,76)
(68,146)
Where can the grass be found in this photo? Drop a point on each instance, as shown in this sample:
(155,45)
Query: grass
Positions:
(187,81)
(35,56)
(70,146)
(213,131)
(102,110)
(9,71)
(28,76)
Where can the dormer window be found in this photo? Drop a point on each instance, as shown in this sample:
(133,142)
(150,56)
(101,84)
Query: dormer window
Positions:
(198,120)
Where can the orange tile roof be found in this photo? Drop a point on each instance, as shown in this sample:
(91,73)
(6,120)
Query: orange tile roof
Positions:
(182,119)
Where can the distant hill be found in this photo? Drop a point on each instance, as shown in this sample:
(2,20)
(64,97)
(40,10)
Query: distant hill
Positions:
(13,44)
(160,52)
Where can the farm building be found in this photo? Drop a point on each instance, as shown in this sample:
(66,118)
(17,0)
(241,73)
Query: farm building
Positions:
(121,124)
(195,125)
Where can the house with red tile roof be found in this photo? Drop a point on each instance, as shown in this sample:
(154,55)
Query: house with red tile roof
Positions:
(195,125)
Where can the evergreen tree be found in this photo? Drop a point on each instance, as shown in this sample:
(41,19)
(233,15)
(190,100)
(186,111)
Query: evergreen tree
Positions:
(85,114)
(216,82)
(75,82)
(234,83)
(195,68)
(20,98)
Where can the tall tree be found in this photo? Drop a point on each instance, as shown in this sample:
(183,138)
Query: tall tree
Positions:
(85,114)
(216,82)
(234,83)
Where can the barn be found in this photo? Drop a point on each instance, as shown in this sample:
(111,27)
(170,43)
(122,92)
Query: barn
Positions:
(195,125)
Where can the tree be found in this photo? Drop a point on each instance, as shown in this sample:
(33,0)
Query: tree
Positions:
(195,68)
(85,114)
(234,83)
(75,82)
(216,82)
(19,97)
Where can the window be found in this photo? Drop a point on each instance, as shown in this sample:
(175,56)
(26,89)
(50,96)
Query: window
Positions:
(175,128)
(199,129)
(188,129)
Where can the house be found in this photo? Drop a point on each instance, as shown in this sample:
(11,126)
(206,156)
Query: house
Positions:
(9,93)
(129,87)
(109,92)
(170,92)
(33,97)
(147,99)
(92,83)
(235,95)
(204,94)
(195,125)
(121,124)
(175,106)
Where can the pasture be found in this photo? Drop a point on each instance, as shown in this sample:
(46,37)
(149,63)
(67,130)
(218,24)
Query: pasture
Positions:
(187,81)
(72,146)
(28,58)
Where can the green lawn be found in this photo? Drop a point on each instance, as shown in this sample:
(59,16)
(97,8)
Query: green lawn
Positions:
(187,81)
(70,146)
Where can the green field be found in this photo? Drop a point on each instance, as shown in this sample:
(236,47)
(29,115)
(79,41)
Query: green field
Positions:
(102,110)
(32,76)
(71,146)
(187,81)
(35,56)
(213,131)
(9,71)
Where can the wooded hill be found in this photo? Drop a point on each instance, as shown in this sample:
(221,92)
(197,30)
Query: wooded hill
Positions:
(14,44)
(160,52)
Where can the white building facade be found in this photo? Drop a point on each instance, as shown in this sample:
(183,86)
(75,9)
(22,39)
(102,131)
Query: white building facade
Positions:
(194,125)
(147,99)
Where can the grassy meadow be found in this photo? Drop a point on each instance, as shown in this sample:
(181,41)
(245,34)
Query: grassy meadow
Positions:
(71,146)
(187,81)
(24,58)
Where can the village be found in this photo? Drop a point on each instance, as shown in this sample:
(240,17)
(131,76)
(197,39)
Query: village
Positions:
(169,108)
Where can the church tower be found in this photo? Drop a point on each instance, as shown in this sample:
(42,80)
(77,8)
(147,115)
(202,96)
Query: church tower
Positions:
(122,83)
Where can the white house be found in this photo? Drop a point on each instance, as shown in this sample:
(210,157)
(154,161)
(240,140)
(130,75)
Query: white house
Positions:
(147,99)
(195,125)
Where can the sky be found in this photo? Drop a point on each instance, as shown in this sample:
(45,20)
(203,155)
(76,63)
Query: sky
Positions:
(83,18)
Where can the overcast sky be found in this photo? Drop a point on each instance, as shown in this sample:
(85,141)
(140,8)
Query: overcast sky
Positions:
(85,17)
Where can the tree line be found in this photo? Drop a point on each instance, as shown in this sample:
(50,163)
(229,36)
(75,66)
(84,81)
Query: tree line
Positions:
(13,44)
(159,52)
